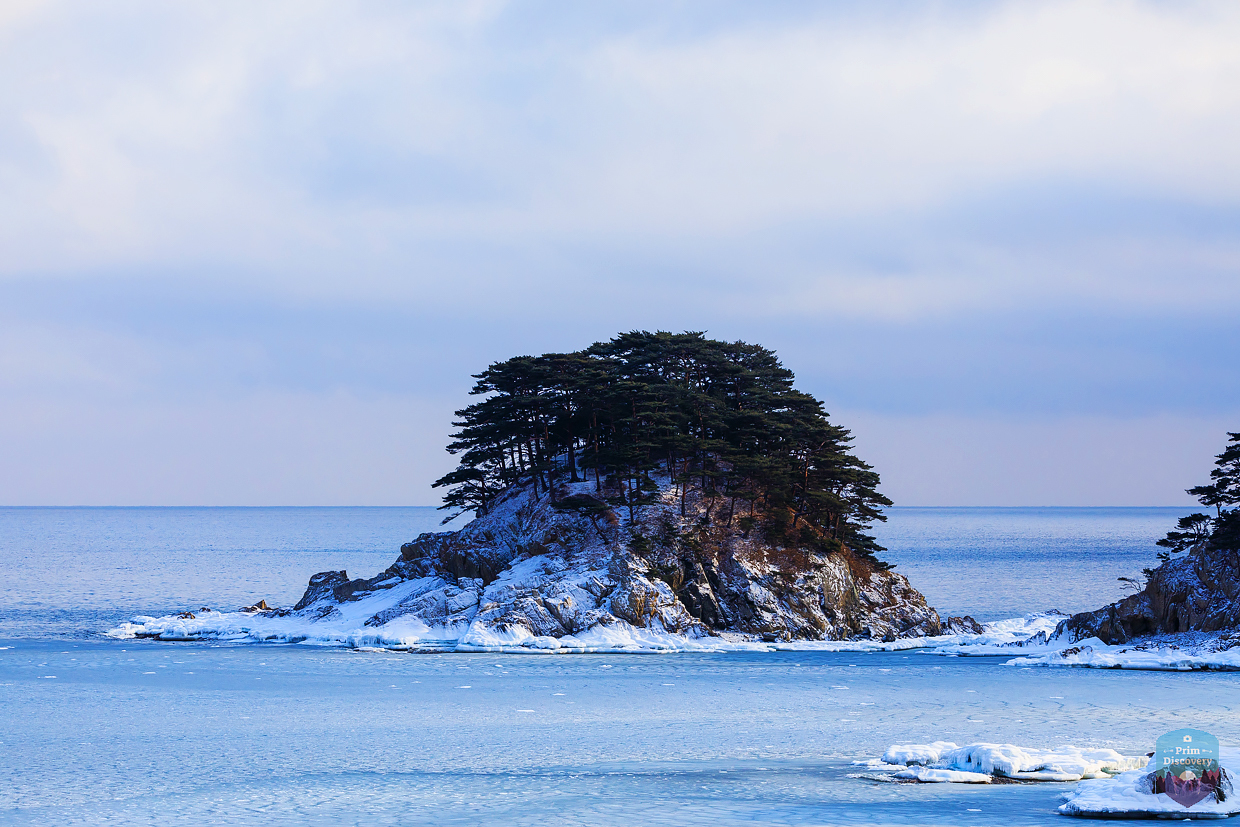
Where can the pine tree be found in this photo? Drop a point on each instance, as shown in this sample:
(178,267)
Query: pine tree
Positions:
(1223,529)
(718,419)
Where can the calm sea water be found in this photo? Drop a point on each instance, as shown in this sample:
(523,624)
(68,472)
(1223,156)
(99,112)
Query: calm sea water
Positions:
(95,731)
(994,563)
(73,572)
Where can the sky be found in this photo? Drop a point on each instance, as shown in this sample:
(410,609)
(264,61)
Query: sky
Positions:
(251,254)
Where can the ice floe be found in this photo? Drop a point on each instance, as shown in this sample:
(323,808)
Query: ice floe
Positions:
(981,763)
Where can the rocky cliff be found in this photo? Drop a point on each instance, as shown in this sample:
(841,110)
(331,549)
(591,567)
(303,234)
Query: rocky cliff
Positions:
(566,567)
(1199,592)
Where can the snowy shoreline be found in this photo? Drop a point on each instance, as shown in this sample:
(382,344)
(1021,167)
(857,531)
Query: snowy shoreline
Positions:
(1027,641)
(406,633)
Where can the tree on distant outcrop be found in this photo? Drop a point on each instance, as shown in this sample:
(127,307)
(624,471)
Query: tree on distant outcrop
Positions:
(1224,487)
(1222,530)
(1190,531)
(718,420)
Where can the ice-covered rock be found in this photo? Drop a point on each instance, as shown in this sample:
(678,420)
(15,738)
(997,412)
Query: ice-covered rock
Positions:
(918,754)
(944,761)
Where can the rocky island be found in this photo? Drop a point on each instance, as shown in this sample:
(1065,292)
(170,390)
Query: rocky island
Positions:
(654,491)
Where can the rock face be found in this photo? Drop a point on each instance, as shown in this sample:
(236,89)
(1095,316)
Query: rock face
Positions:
(1199,592)
(534,569)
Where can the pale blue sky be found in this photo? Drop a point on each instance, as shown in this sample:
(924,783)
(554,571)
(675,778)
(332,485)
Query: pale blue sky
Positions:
(251,253)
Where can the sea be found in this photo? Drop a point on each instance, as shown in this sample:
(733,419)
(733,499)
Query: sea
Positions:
(95,730)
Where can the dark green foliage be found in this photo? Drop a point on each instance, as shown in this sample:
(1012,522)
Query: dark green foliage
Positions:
(721,420)
(1227,531)
(1193,529)
(1222,530)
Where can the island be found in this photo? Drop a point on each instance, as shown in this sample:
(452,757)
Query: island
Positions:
(654,491)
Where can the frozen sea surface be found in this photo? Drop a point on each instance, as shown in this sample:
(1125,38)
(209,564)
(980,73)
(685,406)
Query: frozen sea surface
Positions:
(96,731)
(100,733)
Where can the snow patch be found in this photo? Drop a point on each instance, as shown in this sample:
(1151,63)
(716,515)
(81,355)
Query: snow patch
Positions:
(926,775)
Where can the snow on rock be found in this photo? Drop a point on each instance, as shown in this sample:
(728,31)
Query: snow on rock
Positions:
(928,775)
(1063,764)
(534,574)
(1187,617)
(1196,592)
(944,761)
(1130,795)
(996,638)
(919,754)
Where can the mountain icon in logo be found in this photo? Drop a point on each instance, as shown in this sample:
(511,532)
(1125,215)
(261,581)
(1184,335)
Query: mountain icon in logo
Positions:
(1188,768)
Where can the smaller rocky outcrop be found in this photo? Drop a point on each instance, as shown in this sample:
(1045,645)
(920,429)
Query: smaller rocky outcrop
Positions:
(962,626)
(1199,592)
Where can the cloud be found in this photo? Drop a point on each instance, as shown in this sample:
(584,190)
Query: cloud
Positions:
(1001,210)
(301,137)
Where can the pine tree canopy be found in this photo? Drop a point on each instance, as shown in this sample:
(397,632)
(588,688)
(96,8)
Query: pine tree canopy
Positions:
(645,410)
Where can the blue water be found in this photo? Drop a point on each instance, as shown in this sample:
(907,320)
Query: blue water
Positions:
(96,731)
(994,563)
(77,571)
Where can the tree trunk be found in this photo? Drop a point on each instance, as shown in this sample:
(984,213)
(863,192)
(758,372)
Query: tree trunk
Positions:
(572,459)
